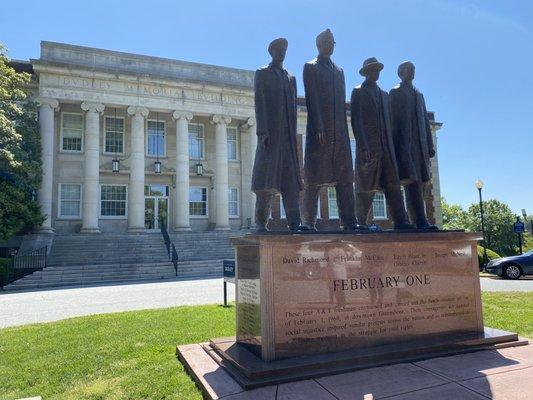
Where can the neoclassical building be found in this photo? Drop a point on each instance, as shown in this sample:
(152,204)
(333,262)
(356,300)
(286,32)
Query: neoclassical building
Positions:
(131,142)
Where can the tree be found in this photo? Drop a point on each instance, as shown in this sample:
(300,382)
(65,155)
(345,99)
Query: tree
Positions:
(499,221)
(20,153)
(453,215)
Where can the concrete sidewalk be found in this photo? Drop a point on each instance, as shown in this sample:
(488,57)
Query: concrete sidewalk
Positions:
(20,308)
(504,374)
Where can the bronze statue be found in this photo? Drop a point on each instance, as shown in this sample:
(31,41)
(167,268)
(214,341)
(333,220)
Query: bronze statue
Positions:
(413,142)
(276,167)
(328,158)
(376,168)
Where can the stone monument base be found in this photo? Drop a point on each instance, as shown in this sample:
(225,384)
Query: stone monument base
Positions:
(315,304)
(252,372)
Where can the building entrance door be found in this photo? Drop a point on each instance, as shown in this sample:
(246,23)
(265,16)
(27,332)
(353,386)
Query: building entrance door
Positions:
(155,207)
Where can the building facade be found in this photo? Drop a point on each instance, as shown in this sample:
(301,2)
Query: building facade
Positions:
(133,142)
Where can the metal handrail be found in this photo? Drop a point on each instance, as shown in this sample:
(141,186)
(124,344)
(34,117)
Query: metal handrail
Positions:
(175,258)
(35,259)
(166,238)
(171,249)
(25,264)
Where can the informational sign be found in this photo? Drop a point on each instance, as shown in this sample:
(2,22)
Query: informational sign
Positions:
(519,227)
(229,271)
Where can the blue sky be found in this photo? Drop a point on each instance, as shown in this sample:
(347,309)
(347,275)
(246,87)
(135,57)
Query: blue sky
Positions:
(474,61)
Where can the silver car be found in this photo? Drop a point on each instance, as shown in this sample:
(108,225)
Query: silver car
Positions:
(512,267)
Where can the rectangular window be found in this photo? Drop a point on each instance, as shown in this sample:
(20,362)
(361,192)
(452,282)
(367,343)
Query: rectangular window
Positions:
(156,138)
(232,144)
(282,213)
(196,141)
(69,200)
(114,135)
(233,202)
(113,200)
(379,206)
(333,209)
(198,201)
(318,212)
(352,148)
(71,132)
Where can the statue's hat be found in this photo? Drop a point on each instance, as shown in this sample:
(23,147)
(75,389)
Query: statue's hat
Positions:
(323,35)
(276,43)
(370,63)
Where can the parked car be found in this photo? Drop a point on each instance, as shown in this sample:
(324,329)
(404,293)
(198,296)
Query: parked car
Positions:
(512,267)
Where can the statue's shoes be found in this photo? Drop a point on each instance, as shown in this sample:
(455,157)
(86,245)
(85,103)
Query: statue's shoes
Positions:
(426,226)
(404,225)
(260,229)
(355,227)
(304,228)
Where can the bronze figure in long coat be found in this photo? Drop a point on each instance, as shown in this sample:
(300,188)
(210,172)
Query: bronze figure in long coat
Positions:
(276,167)
(375,163)
(413,142)
(328,157)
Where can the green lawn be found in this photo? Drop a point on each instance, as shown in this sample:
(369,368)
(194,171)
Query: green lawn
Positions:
(131,355)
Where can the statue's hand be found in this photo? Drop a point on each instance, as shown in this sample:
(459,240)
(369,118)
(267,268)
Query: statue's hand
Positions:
(432,153)
(367,155)
(265,141)
(321,136)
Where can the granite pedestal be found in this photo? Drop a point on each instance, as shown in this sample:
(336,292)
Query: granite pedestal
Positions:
(317,304)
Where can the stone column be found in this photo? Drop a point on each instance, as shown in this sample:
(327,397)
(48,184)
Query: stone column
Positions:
(181,212)
(92,167)
(221,172)
(46,127)
(247,165)
(136,187)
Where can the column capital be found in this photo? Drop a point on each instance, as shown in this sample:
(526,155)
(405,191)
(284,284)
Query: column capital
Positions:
(178,114)
(92,107)
(248,123)
(138,111)
(220,119)
(48,101)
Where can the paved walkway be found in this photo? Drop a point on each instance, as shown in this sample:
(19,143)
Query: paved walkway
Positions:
(20,308)
(497,284)
(503,374)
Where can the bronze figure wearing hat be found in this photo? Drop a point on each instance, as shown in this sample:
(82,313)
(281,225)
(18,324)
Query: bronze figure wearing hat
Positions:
(276,167)
(375,163)
(328,158)
(413,142)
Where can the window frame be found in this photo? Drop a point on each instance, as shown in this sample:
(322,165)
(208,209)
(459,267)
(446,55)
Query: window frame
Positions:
(233,128)
(69,217)
(123,135)
(164,155)
(61,150)
(100,216)
(203,140)
(206,216)
(380,218)
(330,216)
(236,201)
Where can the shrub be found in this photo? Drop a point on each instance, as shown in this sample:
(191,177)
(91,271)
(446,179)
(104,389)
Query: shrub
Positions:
(491,255)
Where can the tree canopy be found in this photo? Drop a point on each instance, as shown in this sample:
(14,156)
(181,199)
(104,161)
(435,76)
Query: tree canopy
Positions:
(499,220)
(20,153)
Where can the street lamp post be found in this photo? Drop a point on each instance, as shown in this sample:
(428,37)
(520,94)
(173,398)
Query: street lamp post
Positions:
(479,186)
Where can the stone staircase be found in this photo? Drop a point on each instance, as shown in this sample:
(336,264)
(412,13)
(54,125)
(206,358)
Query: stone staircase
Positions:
(80,259)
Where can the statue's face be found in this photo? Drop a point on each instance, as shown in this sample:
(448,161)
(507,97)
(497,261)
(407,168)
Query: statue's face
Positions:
(278,54)
(373,74)
(326,46)
(408,72)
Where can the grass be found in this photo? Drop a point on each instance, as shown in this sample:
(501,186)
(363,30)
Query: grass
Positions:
(131,355)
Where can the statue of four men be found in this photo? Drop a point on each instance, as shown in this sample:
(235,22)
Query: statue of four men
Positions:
(392,132)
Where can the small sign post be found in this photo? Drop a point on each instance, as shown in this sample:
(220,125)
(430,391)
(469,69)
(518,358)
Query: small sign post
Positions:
(228,274)
(519,228)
